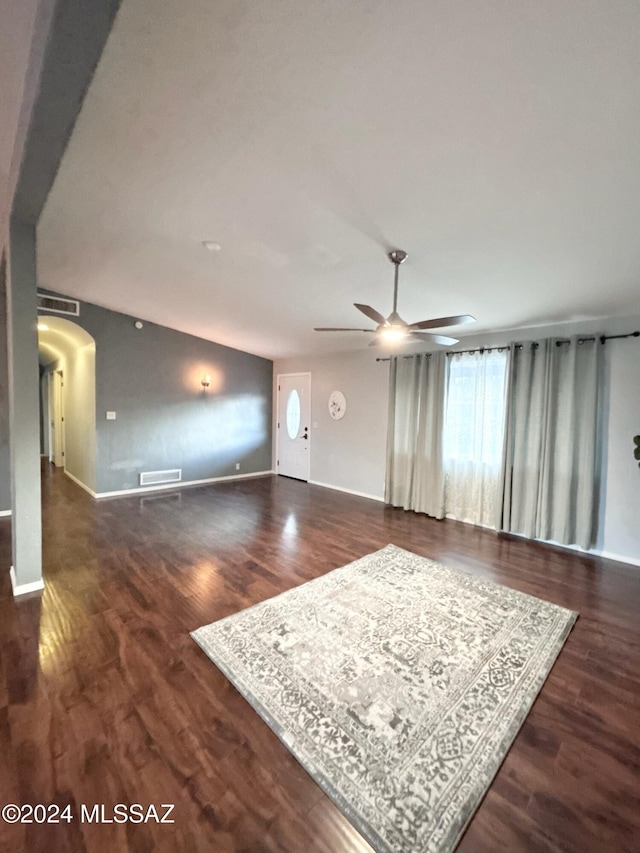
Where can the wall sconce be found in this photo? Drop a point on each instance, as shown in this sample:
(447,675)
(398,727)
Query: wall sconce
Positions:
(205,382)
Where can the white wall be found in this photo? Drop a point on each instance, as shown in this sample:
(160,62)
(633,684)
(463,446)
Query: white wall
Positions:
(621,489)
(350,454)
(44,415)
(80,414)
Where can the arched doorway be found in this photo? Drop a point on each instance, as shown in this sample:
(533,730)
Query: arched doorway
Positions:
(67,355)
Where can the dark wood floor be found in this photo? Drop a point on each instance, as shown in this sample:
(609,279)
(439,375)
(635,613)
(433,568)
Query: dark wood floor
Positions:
(104,698)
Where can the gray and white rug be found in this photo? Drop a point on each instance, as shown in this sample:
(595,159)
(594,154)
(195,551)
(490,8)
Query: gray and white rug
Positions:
(398,683)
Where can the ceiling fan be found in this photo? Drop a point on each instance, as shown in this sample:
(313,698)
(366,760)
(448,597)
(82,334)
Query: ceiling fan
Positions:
(394,329)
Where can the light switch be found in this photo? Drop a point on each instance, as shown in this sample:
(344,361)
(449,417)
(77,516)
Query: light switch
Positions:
(111,416)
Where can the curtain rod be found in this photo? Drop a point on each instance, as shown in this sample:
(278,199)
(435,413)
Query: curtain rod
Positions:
(601,338)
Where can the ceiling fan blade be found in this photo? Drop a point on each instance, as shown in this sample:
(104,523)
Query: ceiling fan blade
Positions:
(331,329)
(439,322)
(371,313)
(426,338)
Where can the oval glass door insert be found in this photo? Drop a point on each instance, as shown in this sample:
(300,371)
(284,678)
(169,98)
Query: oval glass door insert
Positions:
(293,414)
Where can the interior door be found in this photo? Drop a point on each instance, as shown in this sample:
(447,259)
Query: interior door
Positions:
(294,411)
(57,419)
(51,416)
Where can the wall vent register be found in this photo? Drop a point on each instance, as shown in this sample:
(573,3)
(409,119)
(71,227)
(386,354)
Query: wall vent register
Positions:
(156,478)
(58,305)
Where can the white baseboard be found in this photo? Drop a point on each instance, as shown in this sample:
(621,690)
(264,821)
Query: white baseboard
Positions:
(80,483)
(182,485)
(24,588)
(606,555)
(7,512)
(619,558)
(468,521)
(347,491)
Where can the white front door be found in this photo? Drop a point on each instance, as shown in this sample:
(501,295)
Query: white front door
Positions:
(294,412)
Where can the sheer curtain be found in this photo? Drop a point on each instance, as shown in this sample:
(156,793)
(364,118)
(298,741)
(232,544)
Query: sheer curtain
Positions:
(473,434)
(414,447)
(552,441)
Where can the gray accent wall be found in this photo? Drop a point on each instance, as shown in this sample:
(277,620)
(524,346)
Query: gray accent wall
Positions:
(151,379)
(24,405)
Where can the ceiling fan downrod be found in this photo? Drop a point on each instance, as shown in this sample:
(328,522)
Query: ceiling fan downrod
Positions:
(397,257)
(394,328)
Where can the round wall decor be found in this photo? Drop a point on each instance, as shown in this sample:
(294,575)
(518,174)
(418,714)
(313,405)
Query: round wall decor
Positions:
(337,405)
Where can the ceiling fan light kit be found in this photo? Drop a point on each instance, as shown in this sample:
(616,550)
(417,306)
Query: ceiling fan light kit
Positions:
(393,329)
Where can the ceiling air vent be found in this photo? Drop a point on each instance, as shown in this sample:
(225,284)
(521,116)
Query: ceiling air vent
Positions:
(58,305)
(156,478)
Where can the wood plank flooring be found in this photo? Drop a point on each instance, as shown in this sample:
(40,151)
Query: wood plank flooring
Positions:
(104,698)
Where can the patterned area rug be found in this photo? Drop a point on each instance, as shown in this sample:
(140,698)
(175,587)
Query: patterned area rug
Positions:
(398,683)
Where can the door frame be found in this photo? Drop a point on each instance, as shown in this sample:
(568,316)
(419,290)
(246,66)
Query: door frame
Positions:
(50,423)
(277,415)
(56,401)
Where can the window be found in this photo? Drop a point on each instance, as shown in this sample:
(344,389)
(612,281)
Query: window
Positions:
(293,414)
(474,417)
(473,435)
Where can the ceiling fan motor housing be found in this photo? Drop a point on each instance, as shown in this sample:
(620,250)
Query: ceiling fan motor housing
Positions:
(394,319)
(397,256)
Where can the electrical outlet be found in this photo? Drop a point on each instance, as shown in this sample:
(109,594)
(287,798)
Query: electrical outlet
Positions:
(237,466)
(111,416)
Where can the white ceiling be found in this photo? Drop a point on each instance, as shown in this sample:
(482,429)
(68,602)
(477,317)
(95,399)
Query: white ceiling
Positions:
(497,142)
